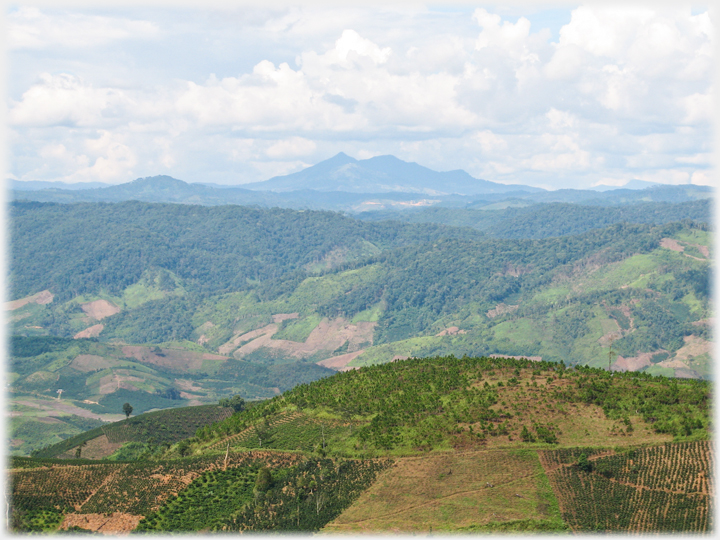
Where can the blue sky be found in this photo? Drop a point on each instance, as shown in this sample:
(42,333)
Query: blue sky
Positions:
(550,95)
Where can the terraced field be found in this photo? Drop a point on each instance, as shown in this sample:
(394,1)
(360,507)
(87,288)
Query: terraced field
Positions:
(666,488)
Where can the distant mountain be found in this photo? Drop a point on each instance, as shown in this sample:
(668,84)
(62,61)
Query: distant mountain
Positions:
(313,189)
(632,184)
(34,185)
(382,174)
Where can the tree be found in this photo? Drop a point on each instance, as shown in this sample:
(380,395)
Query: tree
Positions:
(263,482)
(236,402)
(183,448)
(526,435)
(583,463)
(127,409)
(78,450)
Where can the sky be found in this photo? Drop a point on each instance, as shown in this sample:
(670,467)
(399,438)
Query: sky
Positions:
(547,95)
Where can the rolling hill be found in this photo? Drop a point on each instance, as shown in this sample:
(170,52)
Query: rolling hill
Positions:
(167,305)
(446,444)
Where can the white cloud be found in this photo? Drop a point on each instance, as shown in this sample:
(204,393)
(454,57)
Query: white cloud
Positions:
(696,159)
(292,147)
(699,108)
(351,42)
(66,100)
(621,93)
(702,178)
(113,160)
(490,142)
(29,28)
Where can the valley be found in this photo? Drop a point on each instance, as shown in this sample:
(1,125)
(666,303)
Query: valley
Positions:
(464,359)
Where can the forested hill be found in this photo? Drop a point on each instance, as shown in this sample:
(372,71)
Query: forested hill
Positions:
(166,305)
(547,220)
(82,248)
(408,280)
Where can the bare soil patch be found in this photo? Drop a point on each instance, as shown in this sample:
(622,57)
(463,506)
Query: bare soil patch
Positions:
(280,317)
(90,332)
(41,298)
(89,362)
(116,381)
(185,384)
(445,492)
(703,249)
(451,331)
(99,309)
(674,245)
(54,407)
(115,524)
(694,346)
(340,363)
(501,309)
(633,363)
(170,358)
(326,337)
(97,448)
(235,342)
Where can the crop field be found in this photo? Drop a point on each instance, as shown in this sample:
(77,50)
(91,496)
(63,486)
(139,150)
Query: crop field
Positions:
(132,488)
(288,431)
(486,490)
(166,426)
(665,488)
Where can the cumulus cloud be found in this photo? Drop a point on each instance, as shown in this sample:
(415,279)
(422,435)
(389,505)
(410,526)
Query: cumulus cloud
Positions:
(64,99)
(621,93)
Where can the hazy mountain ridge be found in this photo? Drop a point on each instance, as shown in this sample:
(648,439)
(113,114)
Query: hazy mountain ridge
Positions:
(383,174)
(344,183)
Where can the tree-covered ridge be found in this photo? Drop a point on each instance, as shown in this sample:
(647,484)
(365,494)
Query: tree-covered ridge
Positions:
(441,403)
(422,272)
(546,220)
(332,290)
(83,248)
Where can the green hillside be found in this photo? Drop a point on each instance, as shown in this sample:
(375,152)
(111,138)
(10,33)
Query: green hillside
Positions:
(470,444)
(165,305)
(524,219)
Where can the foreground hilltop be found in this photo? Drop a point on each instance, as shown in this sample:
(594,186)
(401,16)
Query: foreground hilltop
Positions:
(473,444)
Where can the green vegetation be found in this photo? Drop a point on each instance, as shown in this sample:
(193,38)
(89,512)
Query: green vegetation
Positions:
(441,403)
(207,300)
(547,220)
(155,428)
(661,488)
(499,413)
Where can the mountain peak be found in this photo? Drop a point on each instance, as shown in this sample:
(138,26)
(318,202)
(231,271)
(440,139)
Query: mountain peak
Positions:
(159,181)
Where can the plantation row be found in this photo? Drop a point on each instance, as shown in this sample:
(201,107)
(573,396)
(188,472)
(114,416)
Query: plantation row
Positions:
(135,488)
(160,427)
(678,467)
(310,496)
(169,426)
(300,498)
(289,432)
(672,493)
